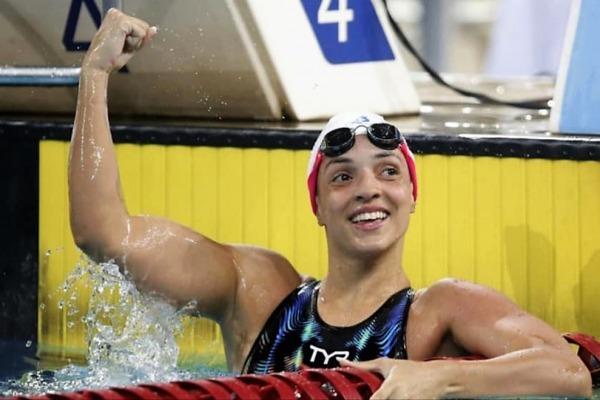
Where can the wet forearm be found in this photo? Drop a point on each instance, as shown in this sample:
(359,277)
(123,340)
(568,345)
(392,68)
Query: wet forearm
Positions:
(94,193)
(525,372)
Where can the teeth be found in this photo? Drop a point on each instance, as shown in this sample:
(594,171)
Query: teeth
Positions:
(369,216)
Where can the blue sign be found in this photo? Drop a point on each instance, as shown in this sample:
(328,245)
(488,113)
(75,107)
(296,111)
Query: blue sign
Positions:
(71,25)
(580,111)
(348,31)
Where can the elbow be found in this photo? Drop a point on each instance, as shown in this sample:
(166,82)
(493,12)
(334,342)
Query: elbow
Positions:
(577,379)
(82,237)
(560,373)
(582,382)
(97,246)
(82,229)
(90,247)
(87,246)
(98,236)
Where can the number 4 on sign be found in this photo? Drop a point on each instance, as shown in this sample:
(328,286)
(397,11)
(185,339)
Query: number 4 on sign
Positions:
(342,16)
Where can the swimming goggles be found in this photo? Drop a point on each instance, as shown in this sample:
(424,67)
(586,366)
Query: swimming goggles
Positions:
(340,140)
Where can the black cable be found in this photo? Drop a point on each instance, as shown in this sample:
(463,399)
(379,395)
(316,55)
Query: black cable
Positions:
(538,104)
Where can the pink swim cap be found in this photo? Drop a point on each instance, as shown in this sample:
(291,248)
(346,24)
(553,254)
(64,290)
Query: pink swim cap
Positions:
(351,120)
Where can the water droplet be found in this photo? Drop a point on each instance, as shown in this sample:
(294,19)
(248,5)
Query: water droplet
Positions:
(328,388)
(28,343)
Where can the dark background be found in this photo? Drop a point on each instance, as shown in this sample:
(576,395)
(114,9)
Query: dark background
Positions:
(18,237)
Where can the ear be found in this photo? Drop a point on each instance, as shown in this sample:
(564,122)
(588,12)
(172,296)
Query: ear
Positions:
(413,203)
(318,213)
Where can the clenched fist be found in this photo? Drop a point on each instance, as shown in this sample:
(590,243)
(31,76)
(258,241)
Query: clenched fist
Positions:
(117,39)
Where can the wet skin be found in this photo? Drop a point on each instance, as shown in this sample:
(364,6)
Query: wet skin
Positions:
(364,202)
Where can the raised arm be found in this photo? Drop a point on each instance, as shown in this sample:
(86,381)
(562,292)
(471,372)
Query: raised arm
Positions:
(160,255)
(99,219)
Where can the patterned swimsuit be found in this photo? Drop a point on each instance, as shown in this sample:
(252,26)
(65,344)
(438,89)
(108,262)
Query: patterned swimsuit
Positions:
(295,336)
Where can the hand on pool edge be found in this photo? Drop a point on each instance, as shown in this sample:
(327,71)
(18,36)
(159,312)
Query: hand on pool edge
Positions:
(404,379)
(115,42)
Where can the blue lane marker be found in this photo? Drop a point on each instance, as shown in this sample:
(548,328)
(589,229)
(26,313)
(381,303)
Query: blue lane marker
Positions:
(348,31)
(581,98)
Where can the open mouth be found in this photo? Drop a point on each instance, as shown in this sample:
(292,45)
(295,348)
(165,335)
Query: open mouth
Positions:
(372,216)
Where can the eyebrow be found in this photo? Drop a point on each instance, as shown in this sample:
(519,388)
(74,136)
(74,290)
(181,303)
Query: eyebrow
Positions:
(338,160)
(387,153)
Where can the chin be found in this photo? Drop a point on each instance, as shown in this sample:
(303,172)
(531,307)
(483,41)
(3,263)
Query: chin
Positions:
(371,247)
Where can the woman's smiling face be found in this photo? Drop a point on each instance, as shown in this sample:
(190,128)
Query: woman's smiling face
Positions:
(364,198)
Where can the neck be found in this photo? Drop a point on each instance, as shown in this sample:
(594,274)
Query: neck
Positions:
(352,275)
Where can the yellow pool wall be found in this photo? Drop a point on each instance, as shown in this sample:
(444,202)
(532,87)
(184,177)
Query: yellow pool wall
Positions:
(529,228)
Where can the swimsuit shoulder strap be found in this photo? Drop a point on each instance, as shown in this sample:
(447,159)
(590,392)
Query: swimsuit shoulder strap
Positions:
(283,320)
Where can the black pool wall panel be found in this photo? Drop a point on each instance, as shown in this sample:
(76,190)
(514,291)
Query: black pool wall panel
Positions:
(18,237)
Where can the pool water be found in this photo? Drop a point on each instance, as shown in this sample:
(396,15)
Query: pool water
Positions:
(23,373)
(131,339)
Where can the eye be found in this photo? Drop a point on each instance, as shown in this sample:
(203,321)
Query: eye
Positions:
(341,177)
(390,171)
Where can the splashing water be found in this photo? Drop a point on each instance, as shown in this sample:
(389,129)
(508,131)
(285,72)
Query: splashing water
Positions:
(130,335)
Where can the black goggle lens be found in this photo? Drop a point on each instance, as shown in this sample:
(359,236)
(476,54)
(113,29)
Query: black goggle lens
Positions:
(340,140)
(385,136)
(384,131)
(338,137)
(337,142)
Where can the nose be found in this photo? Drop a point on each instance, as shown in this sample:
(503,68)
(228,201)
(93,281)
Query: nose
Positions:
(368,187)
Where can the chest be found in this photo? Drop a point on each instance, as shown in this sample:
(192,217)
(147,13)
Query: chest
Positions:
(297,337)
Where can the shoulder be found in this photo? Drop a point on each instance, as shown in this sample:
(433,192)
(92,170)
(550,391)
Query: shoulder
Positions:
(451,296)
(456,288)
(265,267)
(265,279)
(260,256)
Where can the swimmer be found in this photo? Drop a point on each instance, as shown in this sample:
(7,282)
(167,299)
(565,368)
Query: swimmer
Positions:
(364,313)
